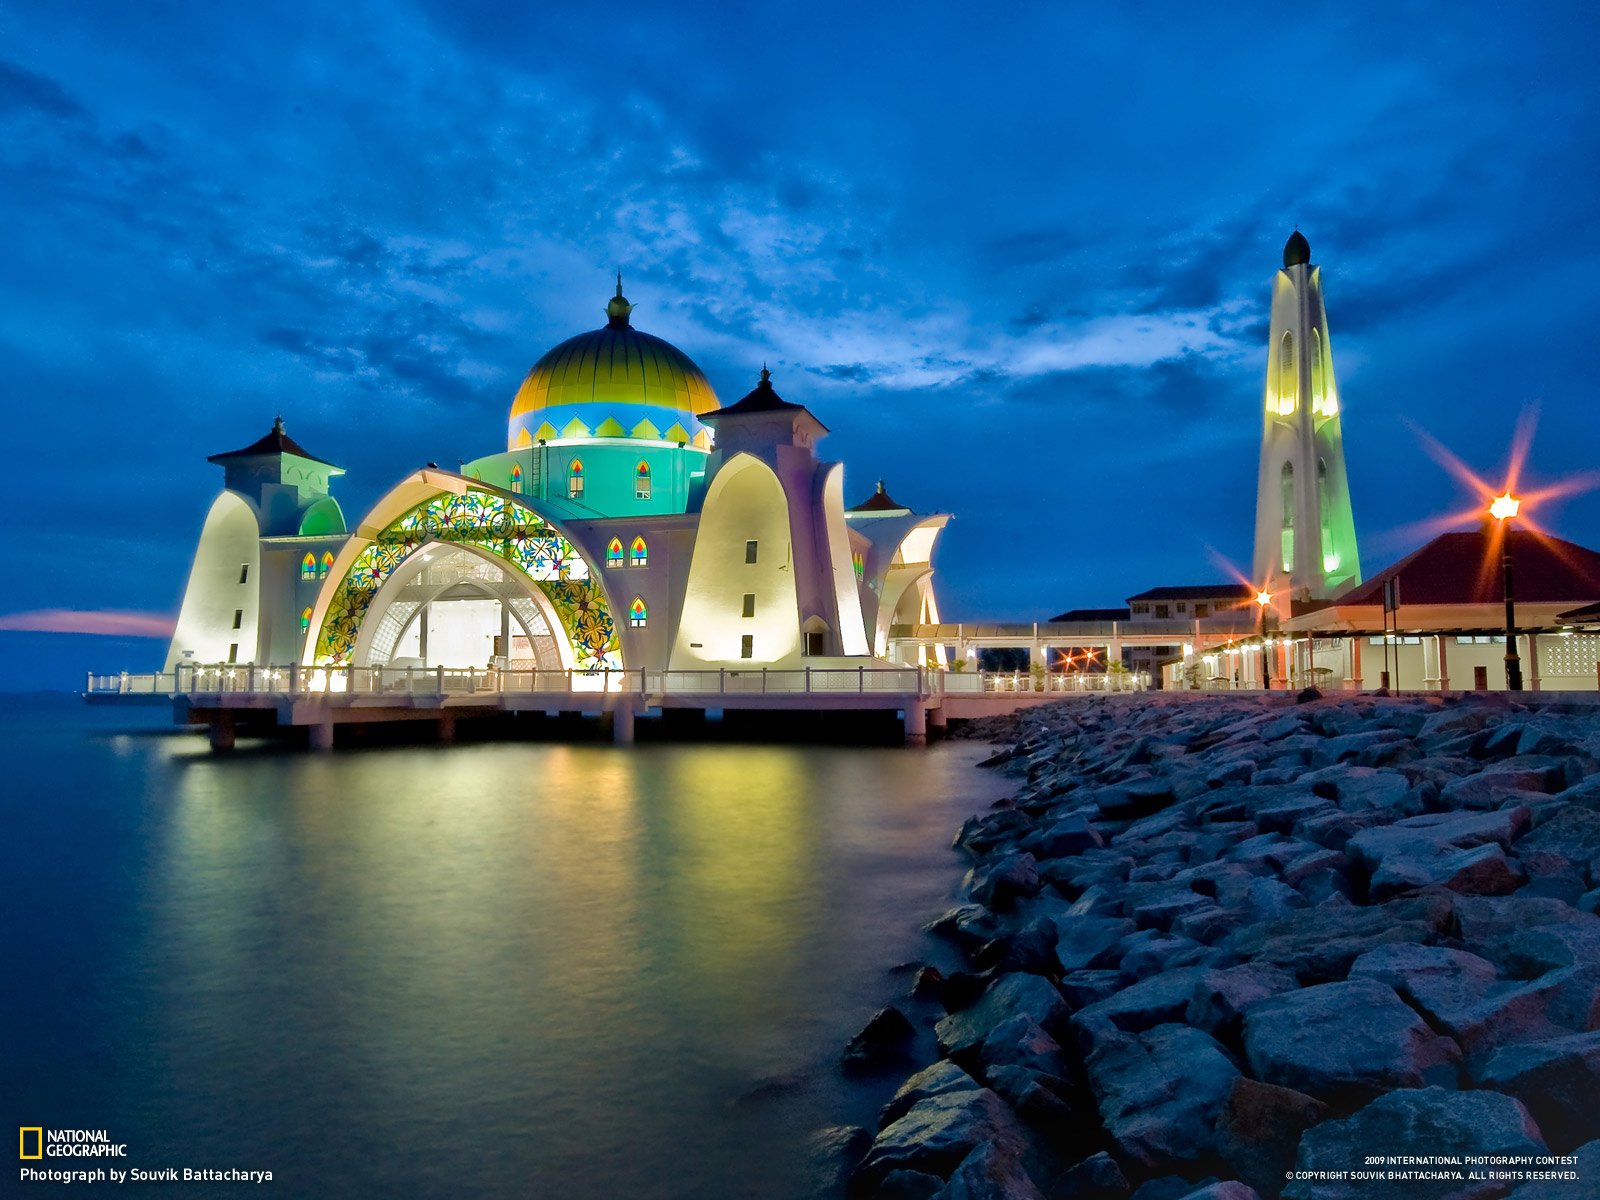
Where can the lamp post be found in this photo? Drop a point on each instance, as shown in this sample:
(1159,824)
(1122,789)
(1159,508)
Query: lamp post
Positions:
(1503,509)
(1263,601)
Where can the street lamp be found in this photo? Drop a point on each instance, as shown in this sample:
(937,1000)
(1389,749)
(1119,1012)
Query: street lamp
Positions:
(1503,509)
(1263,602)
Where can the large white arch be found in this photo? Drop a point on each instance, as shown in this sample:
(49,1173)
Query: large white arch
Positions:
(225,580)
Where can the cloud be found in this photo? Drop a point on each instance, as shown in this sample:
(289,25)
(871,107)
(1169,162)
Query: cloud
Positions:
(21,88)
(106,623)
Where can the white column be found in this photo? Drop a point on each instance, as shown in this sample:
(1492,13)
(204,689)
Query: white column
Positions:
(1444,662)
(1532,661)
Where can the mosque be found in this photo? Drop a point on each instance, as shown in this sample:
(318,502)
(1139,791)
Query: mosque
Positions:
(633,520)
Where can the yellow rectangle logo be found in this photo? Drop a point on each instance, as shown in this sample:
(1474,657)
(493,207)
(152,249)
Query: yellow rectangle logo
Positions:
(38,1141)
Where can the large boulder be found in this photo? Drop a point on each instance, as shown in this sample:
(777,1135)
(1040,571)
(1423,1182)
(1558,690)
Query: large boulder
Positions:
(1430,1122)
(1527,936)
(1088,942)
(938,1132)
(1008,996)
(1345,1043)
(1260,1127)
(1320,943)
(1558,1081)
(1159,1000)
(885,1040)
(1001,883)
(989,1173)
(835,1150)
(1564,1178)
(1460,851)
(1569,840)
(941,1079)
(1098,1177)
(1493,784)
(1160,1092)
(1220,998)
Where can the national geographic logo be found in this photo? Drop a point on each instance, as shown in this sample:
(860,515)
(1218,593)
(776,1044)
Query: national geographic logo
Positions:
(37,1142)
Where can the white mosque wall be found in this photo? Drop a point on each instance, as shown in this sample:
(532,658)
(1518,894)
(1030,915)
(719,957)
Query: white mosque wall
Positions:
(745,503)
(218,619)
(850,628)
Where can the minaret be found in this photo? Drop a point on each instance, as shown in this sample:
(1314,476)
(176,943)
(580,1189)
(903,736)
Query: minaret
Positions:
(1305,531)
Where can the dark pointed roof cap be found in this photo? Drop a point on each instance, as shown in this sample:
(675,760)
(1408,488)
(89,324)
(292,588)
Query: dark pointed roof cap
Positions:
(880,501)
(618,308)
(1296,250)
(275,442)
(763,399)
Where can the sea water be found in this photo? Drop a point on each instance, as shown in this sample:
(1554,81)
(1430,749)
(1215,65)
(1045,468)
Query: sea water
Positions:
(516,969)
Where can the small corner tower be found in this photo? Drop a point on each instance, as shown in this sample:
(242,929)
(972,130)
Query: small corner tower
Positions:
(1305,531)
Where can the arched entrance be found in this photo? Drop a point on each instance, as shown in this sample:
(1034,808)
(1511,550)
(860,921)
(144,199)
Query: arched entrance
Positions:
(458,606)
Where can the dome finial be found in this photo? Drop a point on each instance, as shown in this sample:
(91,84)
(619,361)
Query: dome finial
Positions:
(618,309)
(882,491)
(1296,251)
(766,376)
(277,423)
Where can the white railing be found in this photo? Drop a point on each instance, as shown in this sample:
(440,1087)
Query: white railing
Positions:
(297,680)
(970,683)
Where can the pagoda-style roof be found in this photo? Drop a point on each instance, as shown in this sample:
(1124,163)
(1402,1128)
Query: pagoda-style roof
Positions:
(1464,568)
(879,501)
(763,399)
(275,442)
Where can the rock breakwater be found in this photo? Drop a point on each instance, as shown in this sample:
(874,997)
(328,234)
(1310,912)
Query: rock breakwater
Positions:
(1237,947)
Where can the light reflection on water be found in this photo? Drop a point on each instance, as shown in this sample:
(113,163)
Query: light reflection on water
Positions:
(505,970)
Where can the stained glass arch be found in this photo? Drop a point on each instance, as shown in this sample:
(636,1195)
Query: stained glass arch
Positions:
(639,553)
(308,566)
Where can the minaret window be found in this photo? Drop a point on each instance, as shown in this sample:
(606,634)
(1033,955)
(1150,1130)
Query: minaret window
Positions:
(575,480)
(641,481)
(1330,559)
(305,619)
(638,613)
(614,553)
(1288,383)
(308,567)
(327,564)
(516,478)
(639,553)
(1317,389)
(1288,516)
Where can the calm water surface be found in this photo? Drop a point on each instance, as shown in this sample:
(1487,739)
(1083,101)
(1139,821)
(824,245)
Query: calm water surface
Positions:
(498,970)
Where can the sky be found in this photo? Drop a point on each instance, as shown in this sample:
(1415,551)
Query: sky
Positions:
(1016,257)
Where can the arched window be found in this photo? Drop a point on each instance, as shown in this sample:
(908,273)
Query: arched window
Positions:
(575,479)
(327,564)
(641,481)
(614,552)
(516,478)
(1287,486)
(638,613)
(305,620)
(308,566)
(1317,388)
(639,553)
(1288,381)
(1330,560)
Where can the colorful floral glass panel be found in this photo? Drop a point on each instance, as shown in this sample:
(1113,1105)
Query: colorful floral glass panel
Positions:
(638,613)
(308,566)
(641,481)
(495,525)
(614,553)
(639,553)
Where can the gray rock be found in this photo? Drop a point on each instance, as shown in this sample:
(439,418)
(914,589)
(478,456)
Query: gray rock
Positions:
(967,925)
(1429,1121)
(908,1185)
(1228,1189)
(1459,851)
(1526,937)
(1160,1092)
(1220,998)
(988,1173)
(1088,942)
(1489,786)
(1059,839)
(1008,996)
(884,1040)
(1570,839)
(1148,953)
(1584,1171)
(1345,1043)
(1134,799)
(1001,883)
(1083,988)
(941,1079)
(1446,986)
(1018,1042)
(1260,1126)
(1321,943)
(1348,746)
(938,1132)
(1558,1081)
(835,1151)
(1160,1000)
(1098,1177)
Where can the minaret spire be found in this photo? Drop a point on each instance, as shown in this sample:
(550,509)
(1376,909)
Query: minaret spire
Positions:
(1305,530)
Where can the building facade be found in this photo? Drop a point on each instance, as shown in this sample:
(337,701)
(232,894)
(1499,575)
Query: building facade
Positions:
(632,521)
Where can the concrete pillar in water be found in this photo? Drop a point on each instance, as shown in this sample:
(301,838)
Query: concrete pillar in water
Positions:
(447,727)
(937,721)
(622,725)
(321,734)
(221,732)
(916,724)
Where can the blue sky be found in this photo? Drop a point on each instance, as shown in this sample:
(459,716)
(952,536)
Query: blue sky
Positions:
(1018,263)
